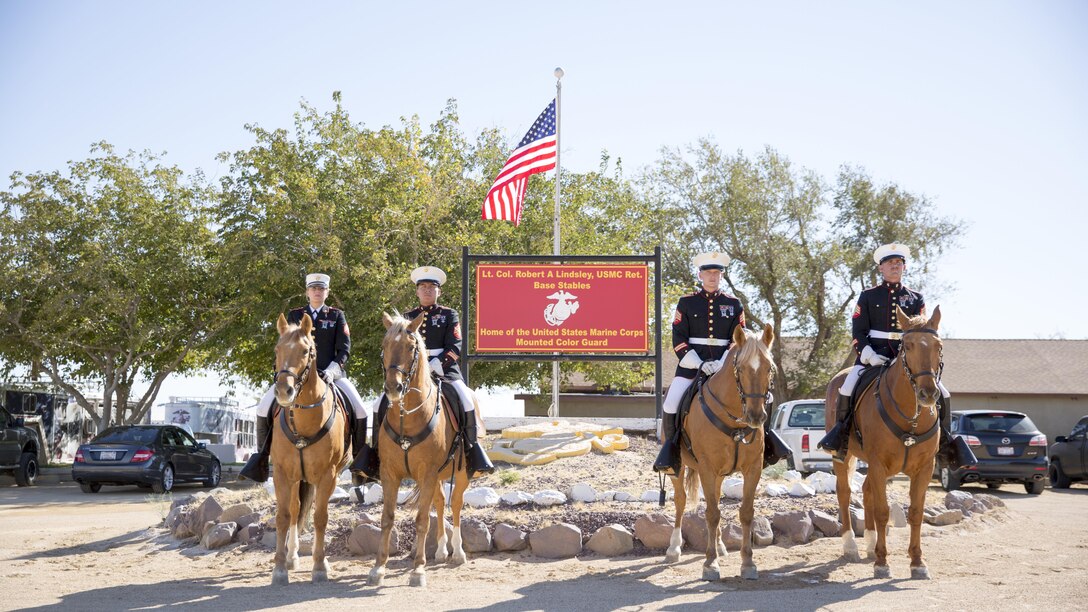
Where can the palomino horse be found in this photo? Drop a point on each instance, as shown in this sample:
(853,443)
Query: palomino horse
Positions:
(724,434)
(418,442)
(308,449)
(897,420)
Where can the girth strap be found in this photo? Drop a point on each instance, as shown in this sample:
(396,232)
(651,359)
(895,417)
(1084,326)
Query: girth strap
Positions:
(301,442)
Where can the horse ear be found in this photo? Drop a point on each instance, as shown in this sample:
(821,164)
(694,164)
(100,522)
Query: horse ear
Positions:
(739,336)
(768,335)
(281,324)
(935,320)
(387,320)
(307,324)
(416,322)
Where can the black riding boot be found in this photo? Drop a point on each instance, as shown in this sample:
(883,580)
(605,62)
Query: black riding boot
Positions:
(369,461)
(256,469)
(953,452)
(478,461)
(364,455)
(775,448)
(836,440)
(668,460)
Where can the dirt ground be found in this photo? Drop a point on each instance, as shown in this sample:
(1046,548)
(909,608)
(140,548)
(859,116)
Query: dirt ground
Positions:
(62,548)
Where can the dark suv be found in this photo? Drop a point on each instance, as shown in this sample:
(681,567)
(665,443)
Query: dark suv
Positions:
(21,449)
(1069,457)
(1009,447)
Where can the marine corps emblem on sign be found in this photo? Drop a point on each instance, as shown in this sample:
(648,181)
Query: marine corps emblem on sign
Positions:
(557,313)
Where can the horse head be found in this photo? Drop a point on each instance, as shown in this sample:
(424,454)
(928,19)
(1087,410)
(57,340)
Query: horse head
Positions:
(754,371)
(296,357)
(403,354)
(921,355)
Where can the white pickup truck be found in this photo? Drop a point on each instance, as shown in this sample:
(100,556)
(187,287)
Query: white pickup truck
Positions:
(801,425)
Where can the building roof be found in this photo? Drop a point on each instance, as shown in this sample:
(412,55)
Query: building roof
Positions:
(1031,367)
(997,367)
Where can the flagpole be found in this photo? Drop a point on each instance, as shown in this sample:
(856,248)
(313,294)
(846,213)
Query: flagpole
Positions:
(553,411)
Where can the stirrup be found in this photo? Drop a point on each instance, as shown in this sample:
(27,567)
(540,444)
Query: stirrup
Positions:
(668,460)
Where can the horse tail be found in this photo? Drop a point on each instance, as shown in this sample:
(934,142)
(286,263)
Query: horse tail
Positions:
(691,484)
(411,503)
(306,506)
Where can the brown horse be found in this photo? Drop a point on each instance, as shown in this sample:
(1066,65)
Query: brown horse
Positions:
(897,420)
(418,441)
(308,449)
(725,432)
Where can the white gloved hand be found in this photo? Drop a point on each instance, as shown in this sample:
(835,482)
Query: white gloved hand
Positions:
(711,366)
(333,372)
(436,366)
(691,360)
(871,357)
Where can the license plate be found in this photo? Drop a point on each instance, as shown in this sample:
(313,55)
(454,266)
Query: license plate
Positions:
(1004,450)
(107,455)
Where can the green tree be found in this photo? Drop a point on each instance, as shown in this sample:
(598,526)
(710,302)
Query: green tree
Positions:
(106,273)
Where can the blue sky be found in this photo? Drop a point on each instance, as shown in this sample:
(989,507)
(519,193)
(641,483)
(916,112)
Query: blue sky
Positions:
(978,105)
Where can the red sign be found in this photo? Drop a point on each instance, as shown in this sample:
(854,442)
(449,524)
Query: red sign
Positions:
(562,308)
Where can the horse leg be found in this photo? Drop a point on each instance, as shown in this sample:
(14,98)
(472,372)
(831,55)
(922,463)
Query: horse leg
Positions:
(439,503)
(877,491)
(679,498)
(457,501)
(418,577)
(746,513)
(320,572)
(842,491)
(283,522)
(712,492)
(390,486)
(919,482)
(868,502)
(295,510)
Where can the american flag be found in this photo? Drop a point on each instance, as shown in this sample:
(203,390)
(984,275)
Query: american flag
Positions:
(535,153)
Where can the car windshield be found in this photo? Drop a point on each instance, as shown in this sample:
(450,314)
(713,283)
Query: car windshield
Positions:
(1000,422)
(128,435)
(807,415)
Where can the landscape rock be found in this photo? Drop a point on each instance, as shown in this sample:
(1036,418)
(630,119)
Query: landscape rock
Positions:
(992,501)
(516,498)
(373,494)
(249,533)
(795,527)
(774,489)
(248,519)
(857,520)
(475,537)
(583,492)
(898,515)
(957,499)
(219,536)
(549,497)
(560,541)
(822,482)
(606,496)
(792,476)
(480,497)
(611,541)
(365,539)
(432,536)
(624,496)
(733,488)
(762,534)
(206,511)
(694,530)
(654,495)
(508,538)
(732,536)
(801,489)
(232,513)
(654,530)
(825,523)
(339,494)
(942,517)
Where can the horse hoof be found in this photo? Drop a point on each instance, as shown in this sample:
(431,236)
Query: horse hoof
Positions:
(919,573)
(852,556)
(375,578)
(279,577)
(672,556)
(417,580)
(712,574)
(882,571)
(749,573)
(456,560)
(292,564)
(319,576)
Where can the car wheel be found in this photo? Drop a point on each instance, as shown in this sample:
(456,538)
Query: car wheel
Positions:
(1034,487)
(212,480)
(1058,479)
(166,481)
(27,471)
(90,487)
(993,485)
(949,481)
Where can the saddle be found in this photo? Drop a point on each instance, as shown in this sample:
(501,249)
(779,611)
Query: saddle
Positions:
(455,410)
(866,380)
(342,403)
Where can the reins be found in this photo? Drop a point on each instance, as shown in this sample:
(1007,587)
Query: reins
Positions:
(740,435)
(287,417)
(908,437)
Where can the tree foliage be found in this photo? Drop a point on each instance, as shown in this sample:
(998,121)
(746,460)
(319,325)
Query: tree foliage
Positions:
(105,274)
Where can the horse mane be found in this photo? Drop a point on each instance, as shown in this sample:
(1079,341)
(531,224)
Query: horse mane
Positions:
(754,349)
(400,326)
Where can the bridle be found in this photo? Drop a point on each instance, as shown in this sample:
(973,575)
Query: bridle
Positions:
(912,376)
(300,379)
(765,396)
(405,386)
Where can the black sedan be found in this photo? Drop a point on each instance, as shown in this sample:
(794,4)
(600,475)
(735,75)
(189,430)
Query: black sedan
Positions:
(1069,457)
(1009,447)
(150,456)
